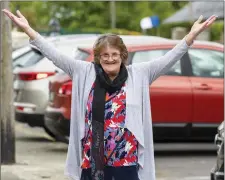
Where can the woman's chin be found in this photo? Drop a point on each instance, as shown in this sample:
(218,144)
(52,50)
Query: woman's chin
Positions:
(111,74)
(111,71)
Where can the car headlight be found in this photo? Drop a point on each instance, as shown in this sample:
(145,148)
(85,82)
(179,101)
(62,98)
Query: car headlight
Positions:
(221,130)
(221,126)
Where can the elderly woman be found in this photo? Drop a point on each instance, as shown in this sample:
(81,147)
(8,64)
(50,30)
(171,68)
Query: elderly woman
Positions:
(111,127)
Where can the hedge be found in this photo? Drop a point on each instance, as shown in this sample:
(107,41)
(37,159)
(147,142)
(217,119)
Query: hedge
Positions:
(164,30)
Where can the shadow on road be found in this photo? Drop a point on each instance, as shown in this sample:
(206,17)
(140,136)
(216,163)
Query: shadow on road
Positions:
(186,153)
(57,150)
(34,139)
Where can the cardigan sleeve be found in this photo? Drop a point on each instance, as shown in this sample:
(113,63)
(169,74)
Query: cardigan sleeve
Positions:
(66,63)
(159,66)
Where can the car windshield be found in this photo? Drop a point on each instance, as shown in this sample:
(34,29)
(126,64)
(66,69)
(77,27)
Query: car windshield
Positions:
(81,55)
(18,52)
(28,59)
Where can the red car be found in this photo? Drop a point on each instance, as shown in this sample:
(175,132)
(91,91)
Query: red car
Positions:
(187,102)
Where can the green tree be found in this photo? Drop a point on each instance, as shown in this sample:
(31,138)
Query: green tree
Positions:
(76,16)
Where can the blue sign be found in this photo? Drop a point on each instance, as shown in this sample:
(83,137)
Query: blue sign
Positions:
(149,22)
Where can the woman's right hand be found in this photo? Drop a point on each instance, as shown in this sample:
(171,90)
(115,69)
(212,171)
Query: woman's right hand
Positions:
(21,22)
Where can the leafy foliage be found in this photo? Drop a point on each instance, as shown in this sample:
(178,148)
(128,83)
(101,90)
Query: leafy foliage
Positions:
(95,16)
(75,15)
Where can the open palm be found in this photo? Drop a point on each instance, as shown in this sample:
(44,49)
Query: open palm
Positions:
(19,20)
(199,27)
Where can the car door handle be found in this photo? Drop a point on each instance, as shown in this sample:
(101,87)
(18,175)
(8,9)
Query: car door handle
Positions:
(203,87)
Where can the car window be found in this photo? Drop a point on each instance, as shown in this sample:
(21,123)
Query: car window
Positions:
(144,56)
(67,48)
(18,52)
(70,50)
(81,55)
(28,59)
(207,63)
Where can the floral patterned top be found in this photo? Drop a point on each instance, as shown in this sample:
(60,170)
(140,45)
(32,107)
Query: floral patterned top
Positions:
(115,111)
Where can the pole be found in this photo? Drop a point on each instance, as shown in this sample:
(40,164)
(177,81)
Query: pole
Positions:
(144,31)
(191,18)
(6,90)
(113,13)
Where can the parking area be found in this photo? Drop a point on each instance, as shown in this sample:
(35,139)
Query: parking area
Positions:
(39,157)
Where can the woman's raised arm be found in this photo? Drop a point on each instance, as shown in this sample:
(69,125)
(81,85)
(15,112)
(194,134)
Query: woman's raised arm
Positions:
(155,68)
(64,62)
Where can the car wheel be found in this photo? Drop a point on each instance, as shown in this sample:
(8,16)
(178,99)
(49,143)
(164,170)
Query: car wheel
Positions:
(49,133)
(212,177)
(63,139)
(212,174)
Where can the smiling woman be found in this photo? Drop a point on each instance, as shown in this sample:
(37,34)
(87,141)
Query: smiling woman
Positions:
(110,52)
(111,126)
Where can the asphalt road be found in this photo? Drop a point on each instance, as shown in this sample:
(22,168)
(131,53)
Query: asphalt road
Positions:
(192,161)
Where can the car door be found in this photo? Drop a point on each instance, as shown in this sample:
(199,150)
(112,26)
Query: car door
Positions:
(171,95)
(208,86)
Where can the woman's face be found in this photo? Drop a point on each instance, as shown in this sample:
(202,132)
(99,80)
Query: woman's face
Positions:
(110,60)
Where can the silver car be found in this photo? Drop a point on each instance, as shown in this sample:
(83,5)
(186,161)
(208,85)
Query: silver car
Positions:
(33,72)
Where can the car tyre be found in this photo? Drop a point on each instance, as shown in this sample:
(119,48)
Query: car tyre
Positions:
(49,133)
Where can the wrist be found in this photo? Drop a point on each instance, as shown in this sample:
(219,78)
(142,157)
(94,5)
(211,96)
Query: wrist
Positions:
(30,32)
(190,37)
(27,29)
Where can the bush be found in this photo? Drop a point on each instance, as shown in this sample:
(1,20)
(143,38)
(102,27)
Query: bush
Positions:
(115,31)
(216,30)
(165,30)
(99,31)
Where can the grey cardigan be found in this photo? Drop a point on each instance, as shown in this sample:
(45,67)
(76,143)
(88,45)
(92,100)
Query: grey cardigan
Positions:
(138,115)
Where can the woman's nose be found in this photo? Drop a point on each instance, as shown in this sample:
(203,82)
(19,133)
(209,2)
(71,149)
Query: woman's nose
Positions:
(111,58)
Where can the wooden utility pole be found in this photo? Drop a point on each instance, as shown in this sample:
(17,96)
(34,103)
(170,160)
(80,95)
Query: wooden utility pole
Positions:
(6,90)
(113,13)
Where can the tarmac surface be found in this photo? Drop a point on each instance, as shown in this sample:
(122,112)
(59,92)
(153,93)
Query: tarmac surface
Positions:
(38,157)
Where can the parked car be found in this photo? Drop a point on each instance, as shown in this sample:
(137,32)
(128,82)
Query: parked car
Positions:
(82,54)
(32,72)
(19,52)
(187,102)
(217,173)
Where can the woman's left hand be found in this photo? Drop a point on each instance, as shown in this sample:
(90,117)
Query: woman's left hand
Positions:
(199,27)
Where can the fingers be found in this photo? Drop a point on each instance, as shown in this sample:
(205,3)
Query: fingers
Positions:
(211,17)
(200,19)
(211,21)
(19,14)
(5,10)
(9,14)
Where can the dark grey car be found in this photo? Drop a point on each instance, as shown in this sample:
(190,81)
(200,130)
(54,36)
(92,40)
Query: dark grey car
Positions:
(217,173)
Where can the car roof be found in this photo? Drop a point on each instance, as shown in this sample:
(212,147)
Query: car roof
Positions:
(69,37)
(163,43)
(73,39)
(89,40)
(129,40)
(70,43)
(204,43)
